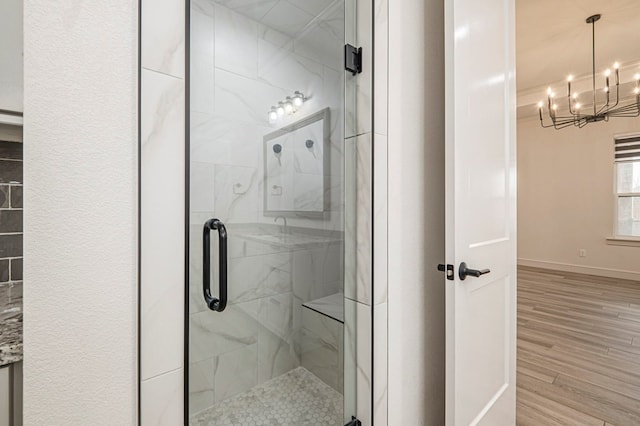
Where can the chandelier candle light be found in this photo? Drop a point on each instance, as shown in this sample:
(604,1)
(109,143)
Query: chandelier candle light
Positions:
(579,118)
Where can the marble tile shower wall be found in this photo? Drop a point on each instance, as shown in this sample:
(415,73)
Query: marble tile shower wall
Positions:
(261,335)
(240,68)
(366,228)
(162,211)
(10,252)
(380,217)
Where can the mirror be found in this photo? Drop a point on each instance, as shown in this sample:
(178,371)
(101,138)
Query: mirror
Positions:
(296,169)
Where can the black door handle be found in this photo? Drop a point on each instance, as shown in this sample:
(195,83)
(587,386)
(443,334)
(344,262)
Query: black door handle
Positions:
(463,271)
(214,304)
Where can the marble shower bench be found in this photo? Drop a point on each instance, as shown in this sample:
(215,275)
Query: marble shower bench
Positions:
(331,306)
(321,339)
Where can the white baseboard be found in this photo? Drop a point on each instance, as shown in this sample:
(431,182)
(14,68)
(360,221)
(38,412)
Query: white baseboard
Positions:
(580,269)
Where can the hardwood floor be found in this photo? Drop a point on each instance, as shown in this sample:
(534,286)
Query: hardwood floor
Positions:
(578,349)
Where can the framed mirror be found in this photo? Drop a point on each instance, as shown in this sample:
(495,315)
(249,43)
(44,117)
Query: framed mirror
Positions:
(296,169)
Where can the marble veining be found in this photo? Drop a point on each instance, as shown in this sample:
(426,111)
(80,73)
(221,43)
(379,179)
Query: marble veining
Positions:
(235,372)
(276,356)
(316,41)
(290,20)
(380,368)
(212,335)
(299,73)
(256,277)
(163,37)
(254,9)
(380,218)
(357,359)
(319,343)
(358,226)
(161,172)
(234,33)
(364,81)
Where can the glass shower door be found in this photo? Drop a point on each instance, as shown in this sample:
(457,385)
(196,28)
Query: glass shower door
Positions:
(266,215)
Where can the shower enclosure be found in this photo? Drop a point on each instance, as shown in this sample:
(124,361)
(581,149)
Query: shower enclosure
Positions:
(271,193)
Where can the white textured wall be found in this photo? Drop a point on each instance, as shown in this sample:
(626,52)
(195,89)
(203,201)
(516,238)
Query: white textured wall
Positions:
(80,298)
(416,299)
(566,199)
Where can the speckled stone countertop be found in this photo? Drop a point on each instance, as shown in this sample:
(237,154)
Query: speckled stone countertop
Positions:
(10,323)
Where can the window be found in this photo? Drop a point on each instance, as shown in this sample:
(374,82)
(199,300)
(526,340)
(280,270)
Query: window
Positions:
(627,169)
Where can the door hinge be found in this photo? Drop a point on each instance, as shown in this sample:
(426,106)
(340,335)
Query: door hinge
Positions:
(354,422)
(449,270)
(353,59)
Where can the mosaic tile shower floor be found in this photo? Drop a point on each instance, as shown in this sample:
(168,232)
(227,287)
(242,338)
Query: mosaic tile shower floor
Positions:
(295,398)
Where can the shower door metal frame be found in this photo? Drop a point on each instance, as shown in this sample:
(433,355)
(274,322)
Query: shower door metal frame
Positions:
(187,201)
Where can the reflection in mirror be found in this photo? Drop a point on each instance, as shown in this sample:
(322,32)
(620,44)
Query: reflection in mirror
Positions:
(296,169)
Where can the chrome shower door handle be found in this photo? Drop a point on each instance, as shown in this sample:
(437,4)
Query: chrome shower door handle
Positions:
(215,304)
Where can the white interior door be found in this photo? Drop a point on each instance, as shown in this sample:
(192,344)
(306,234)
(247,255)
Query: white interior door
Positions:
(481,211)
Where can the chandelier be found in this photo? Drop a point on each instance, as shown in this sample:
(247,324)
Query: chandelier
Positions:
(610,106)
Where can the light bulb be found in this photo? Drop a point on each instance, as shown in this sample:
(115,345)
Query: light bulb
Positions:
(570,78)
(288,106)
(553,95)
(607,73)
(606,89)
(549,91)
(540,104)
(636,90)
(280,109)
(616,65)
(298,99)
(273,115)
(555,107)
(575,96)
(636,77)
(578,106)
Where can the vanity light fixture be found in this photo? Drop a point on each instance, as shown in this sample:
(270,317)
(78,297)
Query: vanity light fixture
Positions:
(273,115)
(289,106)
(609,107)
(298,99)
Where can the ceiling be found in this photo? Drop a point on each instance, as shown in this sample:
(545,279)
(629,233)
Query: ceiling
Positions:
(287,16)
(553,40)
